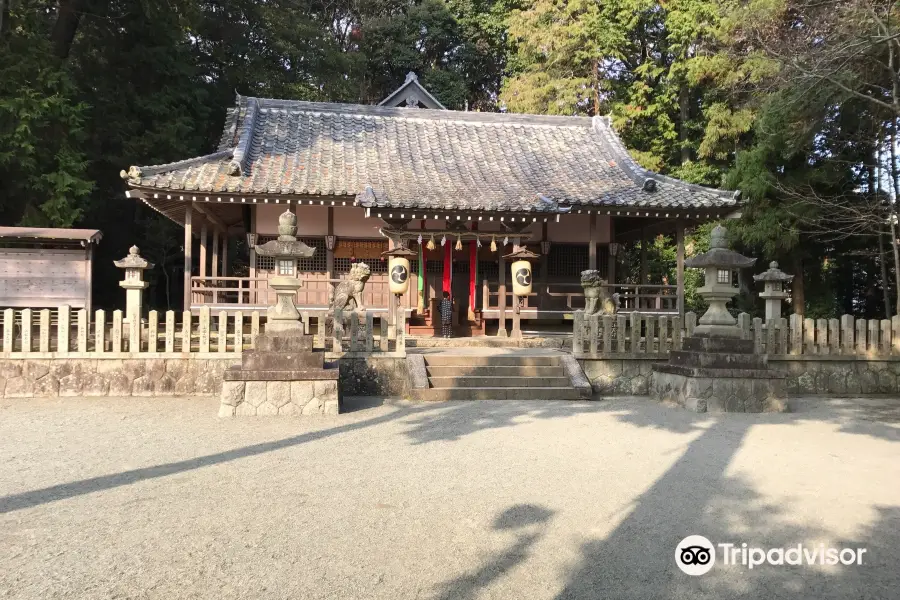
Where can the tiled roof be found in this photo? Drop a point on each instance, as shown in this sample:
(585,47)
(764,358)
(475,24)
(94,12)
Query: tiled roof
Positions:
(419,158)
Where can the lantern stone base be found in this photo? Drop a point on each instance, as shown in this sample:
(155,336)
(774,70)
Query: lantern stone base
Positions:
(283,376)
(717,374)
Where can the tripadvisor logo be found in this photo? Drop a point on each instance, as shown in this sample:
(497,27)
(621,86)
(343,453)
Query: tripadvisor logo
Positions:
(696,555)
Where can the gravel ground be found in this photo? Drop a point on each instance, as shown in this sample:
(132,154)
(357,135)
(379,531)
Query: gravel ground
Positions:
(158,498)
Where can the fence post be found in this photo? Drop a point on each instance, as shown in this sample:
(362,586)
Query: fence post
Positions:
(690,323)
(663,334)
(152,330)
(9,316)
(822,336)
(203,328)
(384,340)
(772,336)
(134,332)
(170,331)
(834,336)
(44,331)
(26,330)
(100,331)
(578,332)
(222,341)
(809,335)
(744,325)
(238,332)
(620,333)
(650,337)
(796,334)
(676,333)
(594,337)
(254,329)
(607,333)
(861,336)
(873,336)
(885,337)
(895,338)
(117,331)
(783,336)
(186,318)
(63,328)
(370,331)
(757,336)
(304,317)
(401,331)
(354,331)
(82,330)
(338,333)
(635,321)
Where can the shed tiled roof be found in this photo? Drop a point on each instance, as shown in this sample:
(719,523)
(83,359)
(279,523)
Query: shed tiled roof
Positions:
(426,159)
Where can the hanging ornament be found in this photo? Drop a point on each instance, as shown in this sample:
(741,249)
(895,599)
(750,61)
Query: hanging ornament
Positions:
(419,239)
(493,244)
(458,243)
(478,242)
(443,240)
(505,241)
(431,243)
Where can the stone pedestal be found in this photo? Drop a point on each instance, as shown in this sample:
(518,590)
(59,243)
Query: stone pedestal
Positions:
(719,374)
(283,376)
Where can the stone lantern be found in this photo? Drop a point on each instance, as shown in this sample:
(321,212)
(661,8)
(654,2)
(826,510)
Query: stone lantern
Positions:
(718,263)
(774,292)
(134,284)
(398,269)
(520,269)
(286,250)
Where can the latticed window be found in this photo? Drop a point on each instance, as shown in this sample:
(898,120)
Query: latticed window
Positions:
(569,260)
(488,269)
(343,265)
(318,261)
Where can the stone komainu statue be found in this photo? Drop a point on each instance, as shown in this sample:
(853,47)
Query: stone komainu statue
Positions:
(348,293)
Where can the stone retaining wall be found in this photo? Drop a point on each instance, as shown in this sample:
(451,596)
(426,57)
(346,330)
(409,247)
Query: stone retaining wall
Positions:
(374,376)
(629,375)
(183,376)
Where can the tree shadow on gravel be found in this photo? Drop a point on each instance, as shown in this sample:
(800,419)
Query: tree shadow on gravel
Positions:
(528,521)
(696,497)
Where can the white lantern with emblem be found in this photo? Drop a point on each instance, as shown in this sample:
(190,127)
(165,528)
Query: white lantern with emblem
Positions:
(521,270)
(398,269)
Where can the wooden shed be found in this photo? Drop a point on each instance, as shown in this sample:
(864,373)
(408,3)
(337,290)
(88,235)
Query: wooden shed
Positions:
(46,267)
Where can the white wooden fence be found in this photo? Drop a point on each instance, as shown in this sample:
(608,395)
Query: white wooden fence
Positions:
(641,333)
(61,332)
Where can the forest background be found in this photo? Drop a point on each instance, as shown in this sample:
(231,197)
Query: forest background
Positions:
(795,103)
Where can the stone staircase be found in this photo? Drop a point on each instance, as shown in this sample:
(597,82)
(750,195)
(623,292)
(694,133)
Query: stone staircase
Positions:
(501,376)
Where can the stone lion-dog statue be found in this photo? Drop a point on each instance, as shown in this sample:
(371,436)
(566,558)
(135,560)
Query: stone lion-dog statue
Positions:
(347,295)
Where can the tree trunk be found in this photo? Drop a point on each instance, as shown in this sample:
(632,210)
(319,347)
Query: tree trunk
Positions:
(895,181)
(684,105)
(68,15)
(884,277)
(798,293)
(596,72)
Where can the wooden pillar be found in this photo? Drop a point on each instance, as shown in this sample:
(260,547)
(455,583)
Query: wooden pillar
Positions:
(592,245)
(679,278)
(392,304)
(252,285)
(644,273)
(225,254)
(611,260)
(188,259)
(89,278)
(203,249)
(329,254)
(214,268)
(544,271)
(501,294)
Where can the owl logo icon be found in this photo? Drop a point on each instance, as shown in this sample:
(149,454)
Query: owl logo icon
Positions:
(399,274)
(523,277)
(695,555)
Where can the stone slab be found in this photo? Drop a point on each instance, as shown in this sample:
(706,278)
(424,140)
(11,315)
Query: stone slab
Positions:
(256,360)
(295,375)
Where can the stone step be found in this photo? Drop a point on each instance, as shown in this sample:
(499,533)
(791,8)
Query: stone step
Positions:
(493,360)
(498,393)
(499,382)
(495,371)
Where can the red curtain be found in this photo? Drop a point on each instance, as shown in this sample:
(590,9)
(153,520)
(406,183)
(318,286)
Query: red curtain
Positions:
(448,265)
(473,273)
